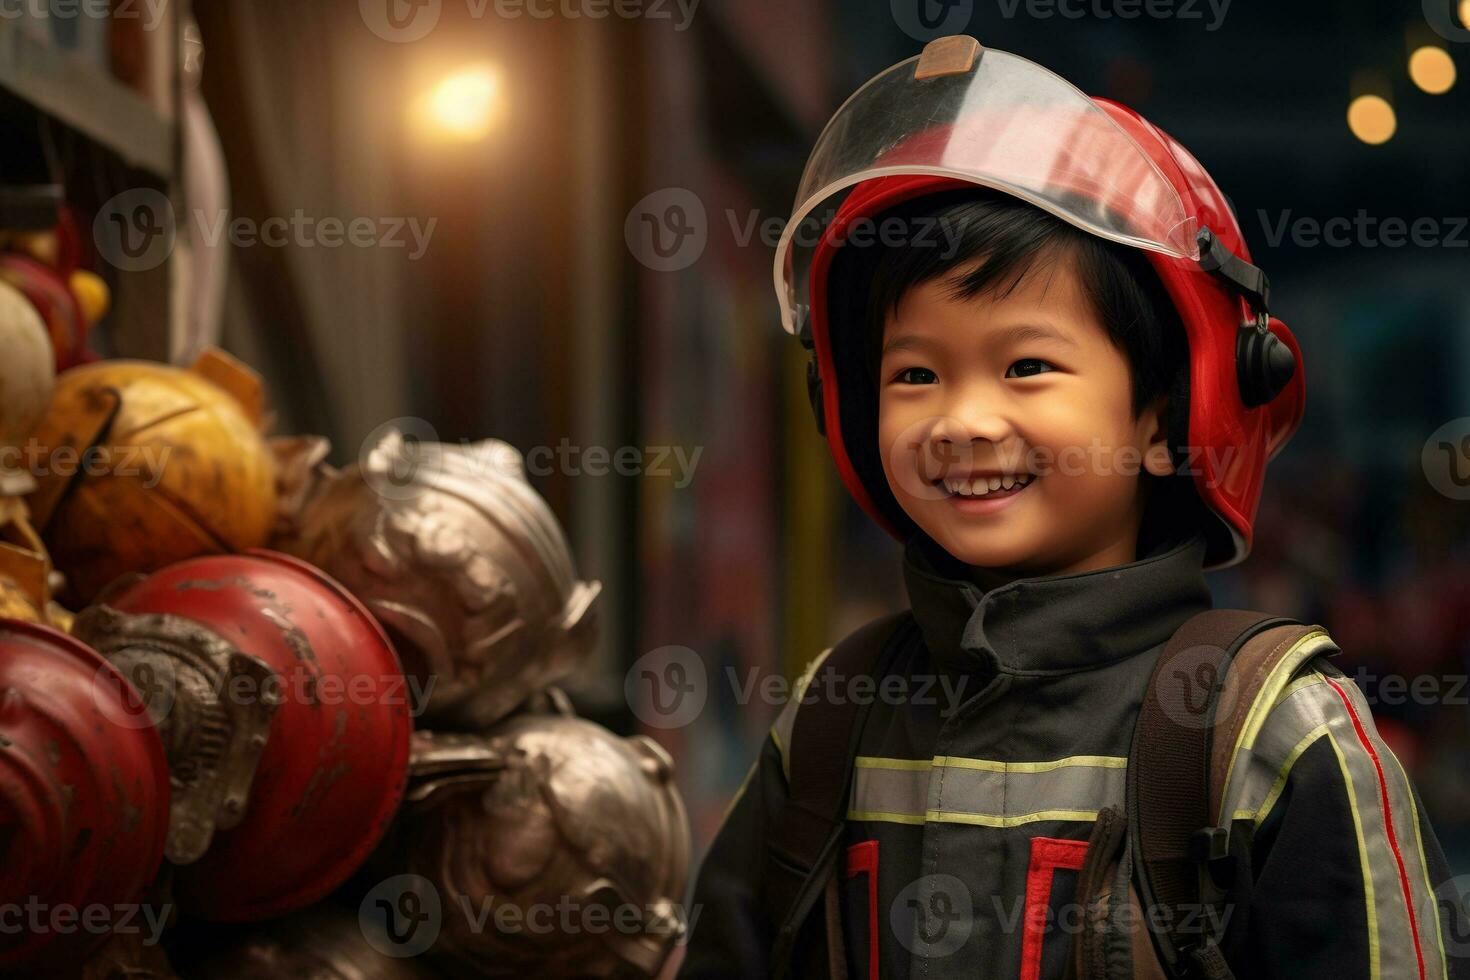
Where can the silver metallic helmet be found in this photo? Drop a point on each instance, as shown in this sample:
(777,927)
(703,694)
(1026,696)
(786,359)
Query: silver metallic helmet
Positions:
(461,560)
(556,848)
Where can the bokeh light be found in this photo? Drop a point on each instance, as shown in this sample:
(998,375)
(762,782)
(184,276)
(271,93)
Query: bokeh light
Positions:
(1371,118)
(1432,69)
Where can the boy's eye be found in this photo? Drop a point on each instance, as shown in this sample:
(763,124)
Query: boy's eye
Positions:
(916,376)
(1028,367)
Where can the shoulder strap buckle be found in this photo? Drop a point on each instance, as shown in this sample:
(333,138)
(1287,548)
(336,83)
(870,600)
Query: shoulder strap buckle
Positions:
(1210,844)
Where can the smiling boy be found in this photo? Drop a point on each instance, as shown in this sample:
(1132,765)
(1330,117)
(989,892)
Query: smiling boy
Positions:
(1022,411)
(1000,369)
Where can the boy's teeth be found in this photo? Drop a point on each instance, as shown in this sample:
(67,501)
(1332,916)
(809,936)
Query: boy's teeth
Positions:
(983,486)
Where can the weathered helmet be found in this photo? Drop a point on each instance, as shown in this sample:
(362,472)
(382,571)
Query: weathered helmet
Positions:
(286,720)
(554,848)
(463,562)
(84,795)
(141,465)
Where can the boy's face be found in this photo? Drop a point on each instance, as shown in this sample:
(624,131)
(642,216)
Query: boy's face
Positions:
(1026,391)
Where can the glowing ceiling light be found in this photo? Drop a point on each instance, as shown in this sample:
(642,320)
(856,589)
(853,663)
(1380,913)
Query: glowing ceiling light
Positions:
(464,105)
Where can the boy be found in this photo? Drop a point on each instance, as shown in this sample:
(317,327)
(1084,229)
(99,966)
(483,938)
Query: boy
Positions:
(1063,404)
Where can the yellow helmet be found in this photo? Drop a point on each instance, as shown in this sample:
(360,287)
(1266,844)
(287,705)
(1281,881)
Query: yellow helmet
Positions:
(139,465)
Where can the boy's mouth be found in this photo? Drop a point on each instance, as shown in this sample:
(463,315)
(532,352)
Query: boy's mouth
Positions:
(985,487)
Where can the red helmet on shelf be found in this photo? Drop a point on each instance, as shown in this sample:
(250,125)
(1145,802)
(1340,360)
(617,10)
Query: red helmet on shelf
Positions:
(961,116)
(83,798)
(286,717)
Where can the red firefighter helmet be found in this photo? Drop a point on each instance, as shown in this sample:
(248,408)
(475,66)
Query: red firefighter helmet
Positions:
(962,116)
(83,799)
(286,717)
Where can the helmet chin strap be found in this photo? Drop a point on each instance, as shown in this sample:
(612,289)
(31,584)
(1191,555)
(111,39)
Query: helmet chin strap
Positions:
(1249,280)
(1263,364)
(813,373)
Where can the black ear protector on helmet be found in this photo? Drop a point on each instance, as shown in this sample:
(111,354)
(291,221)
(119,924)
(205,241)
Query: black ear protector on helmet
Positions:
(1263,364)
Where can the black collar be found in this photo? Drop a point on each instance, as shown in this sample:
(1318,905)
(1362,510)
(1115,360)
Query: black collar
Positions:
(1059,623)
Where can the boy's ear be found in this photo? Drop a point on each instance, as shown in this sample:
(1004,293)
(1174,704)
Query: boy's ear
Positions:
(1154,423)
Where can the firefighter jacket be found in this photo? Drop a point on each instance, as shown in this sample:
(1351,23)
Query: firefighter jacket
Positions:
(1003,727)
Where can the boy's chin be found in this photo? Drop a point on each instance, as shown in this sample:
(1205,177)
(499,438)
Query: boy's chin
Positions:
(999,549)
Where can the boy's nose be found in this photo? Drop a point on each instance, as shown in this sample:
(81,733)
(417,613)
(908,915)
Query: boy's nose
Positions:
(966,425)
(961,443)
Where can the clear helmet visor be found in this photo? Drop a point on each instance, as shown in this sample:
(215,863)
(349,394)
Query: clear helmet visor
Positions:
(995,120)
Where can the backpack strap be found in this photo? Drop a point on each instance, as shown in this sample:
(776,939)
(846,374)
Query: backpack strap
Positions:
(1261,671)
(802,845)
(1170,822)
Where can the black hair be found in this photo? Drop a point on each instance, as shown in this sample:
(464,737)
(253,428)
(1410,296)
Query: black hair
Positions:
(1007,239)
(953,229)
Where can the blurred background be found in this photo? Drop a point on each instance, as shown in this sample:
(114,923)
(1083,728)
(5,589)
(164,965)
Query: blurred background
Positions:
(553,221)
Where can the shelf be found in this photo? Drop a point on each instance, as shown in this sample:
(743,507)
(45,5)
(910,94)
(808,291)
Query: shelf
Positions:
(86,99)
